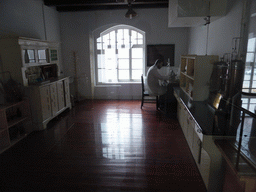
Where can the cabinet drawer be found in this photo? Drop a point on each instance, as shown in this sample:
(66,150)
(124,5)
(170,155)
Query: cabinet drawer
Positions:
(45,102)
(54,98)
(61,100)
(199,132)
(190,131)
(67,93)
(196,149)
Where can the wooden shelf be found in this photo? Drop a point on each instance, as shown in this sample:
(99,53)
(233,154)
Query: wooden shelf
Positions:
(16,140)
(9,105)
(17,127)
(189,76)
(16,121)
(185,91)
(195,72)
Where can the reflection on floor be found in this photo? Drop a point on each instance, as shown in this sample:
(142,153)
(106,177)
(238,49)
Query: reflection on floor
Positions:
(103,146)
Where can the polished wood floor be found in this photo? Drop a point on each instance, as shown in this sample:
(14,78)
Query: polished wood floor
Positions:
(103,146)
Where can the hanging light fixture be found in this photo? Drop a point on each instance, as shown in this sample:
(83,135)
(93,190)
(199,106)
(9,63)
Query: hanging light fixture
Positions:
(130,13)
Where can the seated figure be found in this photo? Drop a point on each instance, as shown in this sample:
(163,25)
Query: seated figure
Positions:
(153,77)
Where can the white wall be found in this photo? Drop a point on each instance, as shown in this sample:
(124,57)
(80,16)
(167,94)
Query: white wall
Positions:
(77,27)
(221,33)
(29,18)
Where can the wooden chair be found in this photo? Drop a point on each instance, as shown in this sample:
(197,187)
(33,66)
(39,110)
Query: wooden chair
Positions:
(146,94)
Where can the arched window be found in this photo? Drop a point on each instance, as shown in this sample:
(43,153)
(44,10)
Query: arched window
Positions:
(120,55)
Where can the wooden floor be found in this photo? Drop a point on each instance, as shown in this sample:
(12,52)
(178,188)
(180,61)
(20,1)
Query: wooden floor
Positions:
(103,146)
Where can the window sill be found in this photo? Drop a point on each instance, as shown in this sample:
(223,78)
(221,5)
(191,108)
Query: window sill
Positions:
(117,84)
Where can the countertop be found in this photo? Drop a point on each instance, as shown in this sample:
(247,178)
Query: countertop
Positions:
(41,83)
(204,114)
(200,110)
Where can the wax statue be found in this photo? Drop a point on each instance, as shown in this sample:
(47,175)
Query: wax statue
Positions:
(153,78)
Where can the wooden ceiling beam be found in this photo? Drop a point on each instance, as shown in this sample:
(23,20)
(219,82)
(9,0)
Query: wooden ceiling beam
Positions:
(90,5)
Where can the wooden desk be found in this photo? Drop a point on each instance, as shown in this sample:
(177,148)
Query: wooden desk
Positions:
(169,106)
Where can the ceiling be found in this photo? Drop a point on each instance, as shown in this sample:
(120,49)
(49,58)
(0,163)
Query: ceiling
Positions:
(90,5)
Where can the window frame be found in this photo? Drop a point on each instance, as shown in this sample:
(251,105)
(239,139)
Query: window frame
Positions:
(247,101)
(97,51)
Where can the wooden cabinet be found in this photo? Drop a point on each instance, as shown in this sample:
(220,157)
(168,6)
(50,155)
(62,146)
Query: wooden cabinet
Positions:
(183,119)
(61,97)
(54,99)
(194,137)
(67,92)
(15,123)
(179,112)
(195,72)
(190,131)
(196,147)
(205,153)
(45,98)
(29,60)
(48,101)
(35,64)
(204,167)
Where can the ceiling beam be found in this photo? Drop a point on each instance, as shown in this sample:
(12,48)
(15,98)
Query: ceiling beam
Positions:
(90,5)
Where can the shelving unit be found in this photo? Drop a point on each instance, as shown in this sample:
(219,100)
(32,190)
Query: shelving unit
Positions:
(48,101)
(30,60)
(15,124)
(35,64)
(195,72)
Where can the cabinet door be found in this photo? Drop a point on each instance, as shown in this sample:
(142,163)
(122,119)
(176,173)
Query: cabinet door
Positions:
(67,93)
(45,102)
(42,55)
(190,132)
(183,118)
(61,100)
(54,98)
(179,113)
(185,121)
(53,55)
(196,148)
(28,56)
(205,166)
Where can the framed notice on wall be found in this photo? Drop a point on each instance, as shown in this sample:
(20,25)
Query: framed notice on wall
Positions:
(161,51)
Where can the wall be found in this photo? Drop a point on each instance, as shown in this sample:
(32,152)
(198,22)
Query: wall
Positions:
(29,18)
(77,27)
(221,33)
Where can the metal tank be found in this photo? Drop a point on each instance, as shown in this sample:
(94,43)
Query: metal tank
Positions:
(219,77)
(237,68)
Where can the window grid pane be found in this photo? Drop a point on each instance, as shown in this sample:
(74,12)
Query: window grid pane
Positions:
(115,58)
(251,45)
(136,74)
(137,64)
(137,53)
(250,57)
(123,74)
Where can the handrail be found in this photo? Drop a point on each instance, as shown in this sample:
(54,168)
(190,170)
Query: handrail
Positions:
(241,108)
(244,111)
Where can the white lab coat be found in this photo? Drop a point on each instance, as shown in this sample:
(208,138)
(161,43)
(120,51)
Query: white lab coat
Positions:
(153,77)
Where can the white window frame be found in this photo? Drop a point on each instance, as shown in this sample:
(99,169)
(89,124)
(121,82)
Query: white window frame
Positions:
(143,46)
(250,67)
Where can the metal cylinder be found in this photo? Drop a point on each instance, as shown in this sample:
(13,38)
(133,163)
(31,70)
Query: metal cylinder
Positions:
(219,77)
(236,77)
